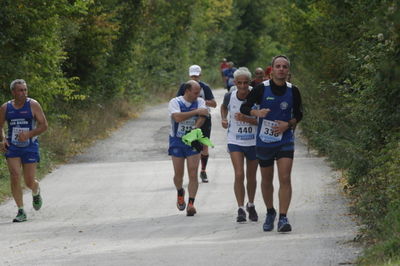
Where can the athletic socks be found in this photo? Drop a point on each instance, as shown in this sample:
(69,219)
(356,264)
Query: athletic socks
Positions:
(37,192)
(180,192)
(281,215)
(191,201)
(271,211)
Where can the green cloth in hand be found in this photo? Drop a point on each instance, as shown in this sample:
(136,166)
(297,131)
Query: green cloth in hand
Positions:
(196,134)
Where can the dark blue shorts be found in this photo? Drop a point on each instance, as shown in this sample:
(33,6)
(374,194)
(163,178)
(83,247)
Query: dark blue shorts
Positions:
(26,156)
(267,156)
(248,151)
(182,152)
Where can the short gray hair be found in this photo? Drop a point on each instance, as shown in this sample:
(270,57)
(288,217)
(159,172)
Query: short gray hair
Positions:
(242,71)
(17,81)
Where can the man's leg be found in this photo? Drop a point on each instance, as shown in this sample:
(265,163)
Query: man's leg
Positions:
(267,189)
(206,129)
(285,192)
(14,167)
(285,184)
(192,167)
(179,165)
(237,159)
(29,170)
(204,158)
(251,175)
(267,186)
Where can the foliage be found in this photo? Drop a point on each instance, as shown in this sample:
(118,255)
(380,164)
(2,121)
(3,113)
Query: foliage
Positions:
(351,101)
(80,56)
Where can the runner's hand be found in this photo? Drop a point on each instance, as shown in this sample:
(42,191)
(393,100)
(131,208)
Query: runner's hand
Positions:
(23,136)
(262,112)
(240,117)
(202,112)
(224,123)
(281,127)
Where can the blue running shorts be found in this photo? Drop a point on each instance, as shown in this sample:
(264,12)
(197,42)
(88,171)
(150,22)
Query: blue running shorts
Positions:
(183,152)
(248,151)
(267,156)
(26,156)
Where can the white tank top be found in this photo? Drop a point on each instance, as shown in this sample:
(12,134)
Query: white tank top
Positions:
(239,133)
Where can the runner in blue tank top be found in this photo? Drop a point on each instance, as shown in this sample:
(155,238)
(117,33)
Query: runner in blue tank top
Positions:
(26,120)
(280,111)
(187,112)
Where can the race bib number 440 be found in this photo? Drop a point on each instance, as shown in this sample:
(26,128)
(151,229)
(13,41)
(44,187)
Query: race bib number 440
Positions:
(245,133)
(267,132)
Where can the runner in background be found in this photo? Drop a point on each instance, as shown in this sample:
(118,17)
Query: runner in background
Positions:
(228,75)
(224,65)
(258,77)
(267,74)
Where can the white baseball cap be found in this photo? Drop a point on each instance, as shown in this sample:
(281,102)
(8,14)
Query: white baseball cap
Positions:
(194,70)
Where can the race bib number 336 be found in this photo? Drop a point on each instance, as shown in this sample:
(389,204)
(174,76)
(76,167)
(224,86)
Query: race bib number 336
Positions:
(267,133)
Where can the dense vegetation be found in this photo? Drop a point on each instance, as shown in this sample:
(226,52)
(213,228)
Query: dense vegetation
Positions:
(91,62)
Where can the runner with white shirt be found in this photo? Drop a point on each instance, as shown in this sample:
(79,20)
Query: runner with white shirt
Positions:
(207,95)
(242,131)
(187,112)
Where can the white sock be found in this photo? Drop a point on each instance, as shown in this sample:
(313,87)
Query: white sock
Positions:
(37,192)
(241,207)
(250,204)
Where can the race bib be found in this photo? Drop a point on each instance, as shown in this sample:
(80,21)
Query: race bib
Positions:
(231,81)
(14,136)
(244,131)
(185,127)
(267,134)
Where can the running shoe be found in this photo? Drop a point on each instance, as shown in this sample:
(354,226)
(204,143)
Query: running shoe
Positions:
(269,222)
(37,201)
(21,216)
(180,203)
(253,216)
(190,210)
(283,225)
(203,176)
(241,218)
